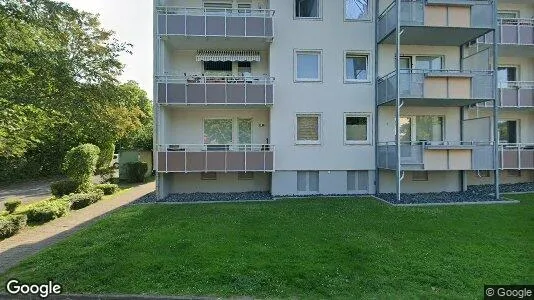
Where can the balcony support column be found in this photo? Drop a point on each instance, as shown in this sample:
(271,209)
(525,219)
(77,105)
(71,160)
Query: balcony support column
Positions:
(397,104)
(495,106)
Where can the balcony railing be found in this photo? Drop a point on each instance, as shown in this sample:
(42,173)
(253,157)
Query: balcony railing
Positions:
(215,90)
(434,84)
(514,94)
(516,156)
(445,155)
(512,31)
(413,14)
(182,158)
(219,22)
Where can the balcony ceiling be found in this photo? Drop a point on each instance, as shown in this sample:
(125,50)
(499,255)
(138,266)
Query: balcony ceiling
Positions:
(216,43)
(436,36)
(516,50)
(425,102)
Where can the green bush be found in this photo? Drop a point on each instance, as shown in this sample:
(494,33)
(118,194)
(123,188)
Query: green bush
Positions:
(63,187)
(136,171)
(47,210)
(107,188)
(80,165)
(79,201)
(106,155)
(10,225)
(105,173)
(11,205)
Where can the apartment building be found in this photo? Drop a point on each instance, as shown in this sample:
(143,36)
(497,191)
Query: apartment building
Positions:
(302,97)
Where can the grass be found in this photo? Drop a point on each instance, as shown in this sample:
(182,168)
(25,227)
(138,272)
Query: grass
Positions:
(313,248)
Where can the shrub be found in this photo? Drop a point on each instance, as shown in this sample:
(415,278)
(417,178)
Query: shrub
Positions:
(10,225)
(106,173)
(106,155)
(11,205)
(63,187)
(47,210)
(79,201)
(107,188)
(80,164)
(136,171)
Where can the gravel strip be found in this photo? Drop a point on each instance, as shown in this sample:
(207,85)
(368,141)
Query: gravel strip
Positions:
(435,198)
(504,188)
(206,197)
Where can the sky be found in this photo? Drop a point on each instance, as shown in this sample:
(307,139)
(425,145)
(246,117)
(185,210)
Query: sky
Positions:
(132,22)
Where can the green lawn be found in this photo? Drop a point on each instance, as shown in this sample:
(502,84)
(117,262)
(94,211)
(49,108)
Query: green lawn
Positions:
(314,248)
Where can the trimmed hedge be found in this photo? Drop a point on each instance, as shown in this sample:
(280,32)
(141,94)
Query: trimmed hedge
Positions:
(107,188)
(63,187)
(47,210)
(136,171)
(80,165)
(79,201)
(12,224)
(11,205)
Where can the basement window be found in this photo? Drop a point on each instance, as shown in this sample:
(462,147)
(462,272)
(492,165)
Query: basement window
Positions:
(208,176)
(420,176)
(245,176)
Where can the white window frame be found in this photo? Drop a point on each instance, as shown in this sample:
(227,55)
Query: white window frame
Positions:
(366,18)
(369,117)
(308,190)
(413,128)
(367,55)
(319,128)
(319,12)
(319,54)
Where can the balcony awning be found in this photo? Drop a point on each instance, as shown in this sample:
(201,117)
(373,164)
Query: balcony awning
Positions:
(228,55)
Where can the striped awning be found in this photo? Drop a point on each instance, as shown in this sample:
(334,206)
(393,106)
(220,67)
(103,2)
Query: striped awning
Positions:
(228,55)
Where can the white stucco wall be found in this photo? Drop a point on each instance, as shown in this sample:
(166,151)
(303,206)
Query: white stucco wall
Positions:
(526,176)
(225,183)
(439,181)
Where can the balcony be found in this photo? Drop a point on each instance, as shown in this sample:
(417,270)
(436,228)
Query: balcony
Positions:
(437,156)
(515,37)
(436,87)
(215,158)
(215,22)
(436,22)
(210,90)
(514,94)
(516,156)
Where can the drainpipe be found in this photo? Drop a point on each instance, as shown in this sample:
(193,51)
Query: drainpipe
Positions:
(397,104)
(495,108)
(375,74)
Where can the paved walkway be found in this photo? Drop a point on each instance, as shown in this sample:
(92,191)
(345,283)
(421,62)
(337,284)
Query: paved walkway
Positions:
(32,240)
(27,192)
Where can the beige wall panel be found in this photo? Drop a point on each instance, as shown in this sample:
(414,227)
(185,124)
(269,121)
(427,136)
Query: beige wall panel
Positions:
(435,15)
(460,160)
(435,159)
(435,87)
(459,88)
(459,16)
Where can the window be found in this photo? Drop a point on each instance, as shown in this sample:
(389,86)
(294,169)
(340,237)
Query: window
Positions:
(422,128)
(208,176)
(217,7)
(506,74)
(245,176)
(307,9)
(218,68)
(429,62)
(308,66)
(218,131)
(483,174)
(244,68)
(308,129)
(508,132)
(420,176)
(508,17)
(244,8)
(357,181)
(356,67)
(308,181)
(356,9)
(357,129)
(514,173)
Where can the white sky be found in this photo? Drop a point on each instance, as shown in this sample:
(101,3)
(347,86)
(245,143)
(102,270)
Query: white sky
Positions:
(132,22)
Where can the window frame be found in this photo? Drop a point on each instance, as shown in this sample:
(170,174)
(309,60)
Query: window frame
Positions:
(204,176)
(307,174)
(367,17)
(413,60)
(353,53)
(369,140)
(413,127)
(426,179)
(245,176)
(319,128)
(319,12)
(517,130)
(319,54)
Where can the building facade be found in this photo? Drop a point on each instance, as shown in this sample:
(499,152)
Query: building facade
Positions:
(305,97)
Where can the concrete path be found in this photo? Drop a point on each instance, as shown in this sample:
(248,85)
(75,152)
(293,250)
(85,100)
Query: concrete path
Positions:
(27,192)
(32,240)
